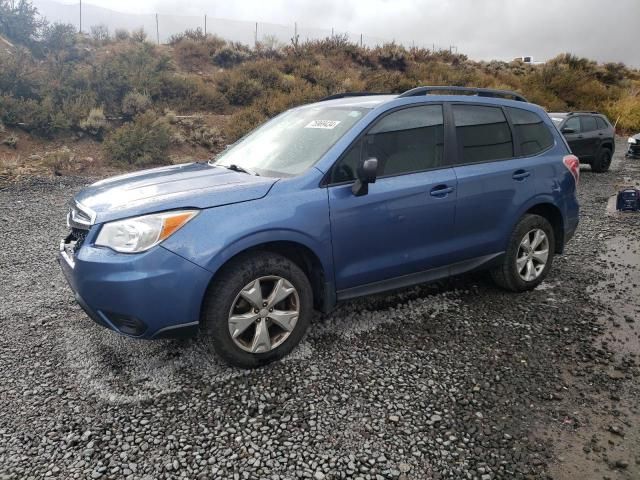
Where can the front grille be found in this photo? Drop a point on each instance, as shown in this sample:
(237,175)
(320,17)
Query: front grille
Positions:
(77,238)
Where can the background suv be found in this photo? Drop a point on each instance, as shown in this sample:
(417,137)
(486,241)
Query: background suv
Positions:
(590,135)
(346,197)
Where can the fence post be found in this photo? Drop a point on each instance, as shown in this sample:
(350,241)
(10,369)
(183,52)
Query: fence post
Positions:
(157,30)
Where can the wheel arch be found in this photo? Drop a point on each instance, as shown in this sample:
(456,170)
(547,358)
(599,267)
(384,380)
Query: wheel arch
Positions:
(303,255)
(554,216)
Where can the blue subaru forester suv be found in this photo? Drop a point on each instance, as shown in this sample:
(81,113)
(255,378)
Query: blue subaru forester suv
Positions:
(350,196)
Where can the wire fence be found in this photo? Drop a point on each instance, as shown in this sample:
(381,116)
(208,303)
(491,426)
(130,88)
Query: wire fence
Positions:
(161,27)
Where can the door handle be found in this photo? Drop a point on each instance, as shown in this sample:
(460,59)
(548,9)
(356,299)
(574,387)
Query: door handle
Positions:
(441,191)
(520,175)
(580,136)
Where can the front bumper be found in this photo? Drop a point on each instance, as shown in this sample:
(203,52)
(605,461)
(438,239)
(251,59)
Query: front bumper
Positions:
(148,295)
(634,150)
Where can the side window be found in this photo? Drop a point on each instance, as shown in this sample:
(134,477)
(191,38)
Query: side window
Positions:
(574,124)
(405,141)
(483,133)
(532,133)
(589,123)
(602,125)
(345,169)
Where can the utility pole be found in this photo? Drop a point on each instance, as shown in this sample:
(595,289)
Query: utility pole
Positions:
(157,30)
(205,25)
(256,35)
(80,16)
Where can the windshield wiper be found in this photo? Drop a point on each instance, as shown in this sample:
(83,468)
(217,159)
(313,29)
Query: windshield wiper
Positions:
(238,168)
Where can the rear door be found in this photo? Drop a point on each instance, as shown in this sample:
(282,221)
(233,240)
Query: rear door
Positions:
(405,223)
(496,175)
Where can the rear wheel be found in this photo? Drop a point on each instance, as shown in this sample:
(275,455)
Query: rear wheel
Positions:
(602,161)
(258,309)
(529,255)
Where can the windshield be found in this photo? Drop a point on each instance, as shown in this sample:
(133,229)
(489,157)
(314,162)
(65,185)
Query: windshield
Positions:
(292,142)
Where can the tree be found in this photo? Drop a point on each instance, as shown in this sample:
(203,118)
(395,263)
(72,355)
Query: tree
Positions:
(20,22)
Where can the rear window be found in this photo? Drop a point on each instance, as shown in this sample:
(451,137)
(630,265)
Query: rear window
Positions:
(483,133)
(602,125)
(589,123)
(532,133)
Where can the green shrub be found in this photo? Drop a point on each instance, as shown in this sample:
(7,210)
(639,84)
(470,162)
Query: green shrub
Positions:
(96,123)
(242,122)
(121,34)
(189,93)
(199,133)
(58,37)
(135,103)
(239,89)
(626,112)
(59,161)
(138,35)
(142,142)
(392,56)
(231,55)
(192,54)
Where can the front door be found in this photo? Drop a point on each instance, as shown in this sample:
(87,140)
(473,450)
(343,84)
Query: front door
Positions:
(405,222)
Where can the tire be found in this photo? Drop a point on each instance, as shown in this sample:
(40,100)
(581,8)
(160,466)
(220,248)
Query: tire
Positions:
(603,161)
(236,288)
(509,275)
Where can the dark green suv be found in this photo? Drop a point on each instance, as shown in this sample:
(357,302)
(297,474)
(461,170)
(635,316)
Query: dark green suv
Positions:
(590,136)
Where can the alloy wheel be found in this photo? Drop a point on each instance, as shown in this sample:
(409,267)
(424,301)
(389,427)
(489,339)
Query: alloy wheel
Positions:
(264,314)
(533,254)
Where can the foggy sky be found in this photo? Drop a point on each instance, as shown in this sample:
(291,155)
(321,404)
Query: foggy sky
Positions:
(482,29)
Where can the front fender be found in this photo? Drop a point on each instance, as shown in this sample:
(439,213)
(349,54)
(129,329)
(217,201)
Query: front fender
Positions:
(216,235)
(321,251)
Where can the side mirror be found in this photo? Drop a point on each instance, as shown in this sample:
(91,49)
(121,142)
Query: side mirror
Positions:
(366,174)
(568,130)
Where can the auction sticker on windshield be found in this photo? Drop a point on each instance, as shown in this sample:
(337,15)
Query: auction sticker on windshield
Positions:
(327,124)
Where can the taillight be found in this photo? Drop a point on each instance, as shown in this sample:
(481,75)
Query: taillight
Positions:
(573,165)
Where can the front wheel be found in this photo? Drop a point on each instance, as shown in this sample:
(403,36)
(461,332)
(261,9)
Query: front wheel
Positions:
(258,309)
(529,254)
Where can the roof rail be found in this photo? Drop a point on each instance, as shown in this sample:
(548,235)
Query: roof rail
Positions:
(582,111)
(350,94)
(480,92)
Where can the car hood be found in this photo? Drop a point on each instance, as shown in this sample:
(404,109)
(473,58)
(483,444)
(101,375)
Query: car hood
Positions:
(197,185)
(636,136)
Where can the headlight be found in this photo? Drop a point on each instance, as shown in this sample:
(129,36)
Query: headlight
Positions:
(138,234)
(632,140)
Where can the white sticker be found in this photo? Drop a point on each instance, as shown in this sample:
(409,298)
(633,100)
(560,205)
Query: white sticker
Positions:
(326,124)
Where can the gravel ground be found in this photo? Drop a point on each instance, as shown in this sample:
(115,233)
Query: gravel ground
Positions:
(456,380)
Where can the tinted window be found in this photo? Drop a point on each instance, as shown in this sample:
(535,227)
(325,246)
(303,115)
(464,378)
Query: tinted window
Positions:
(408,140)
(483,133)
(574,124)
(602,125)
(534,136)
(589,124)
